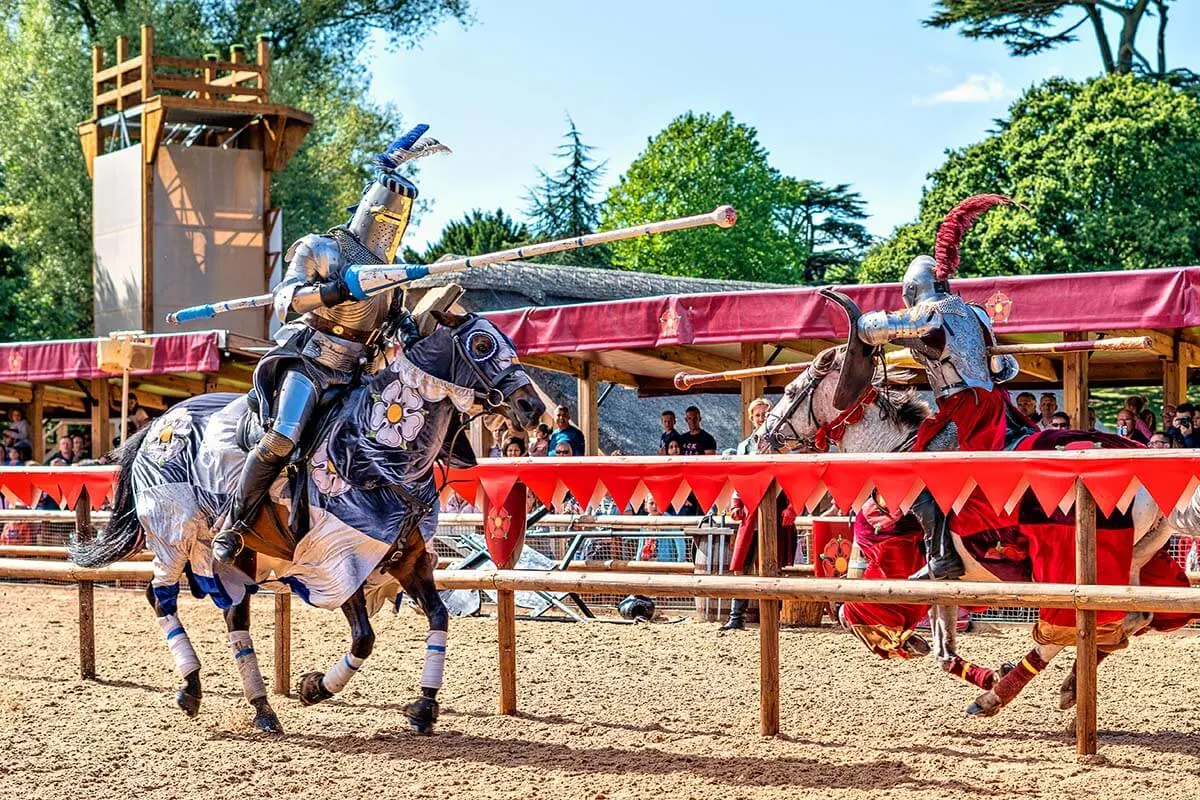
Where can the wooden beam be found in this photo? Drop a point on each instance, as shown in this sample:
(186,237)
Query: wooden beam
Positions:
(1085,623)
(690,357)
(1075,383)
(37,410)
(1187,353)
(768,614)
(557,362)
(101,427)
(50,396)
(1162,344)
(752,356)
(808,347)
(1040,367)
(589,411)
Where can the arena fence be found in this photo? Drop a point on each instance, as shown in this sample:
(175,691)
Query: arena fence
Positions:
(1081,479)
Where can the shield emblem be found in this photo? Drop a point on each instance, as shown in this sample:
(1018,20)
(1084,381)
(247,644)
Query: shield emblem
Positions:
(504,526)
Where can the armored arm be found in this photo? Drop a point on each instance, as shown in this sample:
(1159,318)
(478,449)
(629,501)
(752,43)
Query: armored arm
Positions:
(881,327)
(312,260)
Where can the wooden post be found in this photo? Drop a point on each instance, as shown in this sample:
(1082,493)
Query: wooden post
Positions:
(37,425)
(263,57)
(589,412)
(1085,623)
(283,643)
(752,356)
(147,32)
(122,55)
(768,614)
(101,423)
(506,619)
(1174,386)
(1075,383)
(87,617)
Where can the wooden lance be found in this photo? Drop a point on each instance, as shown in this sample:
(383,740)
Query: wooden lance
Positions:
(365,280)
(687,380)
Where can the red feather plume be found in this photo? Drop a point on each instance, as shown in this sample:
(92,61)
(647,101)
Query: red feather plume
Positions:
(955,226)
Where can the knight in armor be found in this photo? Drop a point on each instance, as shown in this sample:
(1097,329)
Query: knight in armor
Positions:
(335,337)
(951,339)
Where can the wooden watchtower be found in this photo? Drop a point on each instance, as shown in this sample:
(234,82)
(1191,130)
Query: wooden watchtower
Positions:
(181,152)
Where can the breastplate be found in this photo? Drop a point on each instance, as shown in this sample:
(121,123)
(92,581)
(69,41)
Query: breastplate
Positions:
(962,362)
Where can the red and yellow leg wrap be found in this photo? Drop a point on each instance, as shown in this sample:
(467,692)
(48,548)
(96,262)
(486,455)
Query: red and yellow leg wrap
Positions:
(1011,684)
(973,674)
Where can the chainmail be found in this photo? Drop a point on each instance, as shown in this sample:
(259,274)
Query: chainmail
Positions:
(352,249)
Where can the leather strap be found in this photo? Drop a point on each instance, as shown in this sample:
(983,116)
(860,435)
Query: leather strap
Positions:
(342,332)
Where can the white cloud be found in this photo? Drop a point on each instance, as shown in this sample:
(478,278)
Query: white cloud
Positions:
(977,88)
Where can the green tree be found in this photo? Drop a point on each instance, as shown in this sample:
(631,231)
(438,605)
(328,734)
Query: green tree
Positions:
(477,232)
(823,226)
(696,164)
(45,81)
(1029,27)
(1107,173)
(564,204)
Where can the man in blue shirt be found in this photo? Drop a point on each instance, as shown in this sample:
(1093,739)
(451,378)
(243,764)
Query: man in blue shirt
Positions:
(564,431)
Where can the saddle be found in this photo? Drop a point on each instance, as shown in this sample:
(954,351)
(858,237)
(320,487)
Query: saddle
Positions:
(250,431)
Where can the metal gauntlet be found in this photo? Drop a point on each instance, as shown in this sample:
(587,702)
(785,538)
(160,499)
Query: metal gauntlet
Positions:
(1003,368)
(880,327)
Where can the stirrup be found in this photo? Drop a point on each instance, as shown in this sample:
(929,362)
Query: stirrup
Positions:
(227,545)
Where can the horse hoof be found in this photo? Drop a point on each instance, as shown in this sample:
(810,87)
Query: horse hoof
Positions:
(188,703)
(1005,668)
(264,717)
(1066,699)
(916,646)
(311,691)
(984,706)
(422,713)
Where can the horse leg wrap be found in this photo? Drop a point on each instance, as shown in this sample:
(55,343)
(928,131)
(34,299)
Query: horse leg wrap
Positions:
(973,674)
(247,663)
(340,673)
(1011,684)
(186,660)
(435,660)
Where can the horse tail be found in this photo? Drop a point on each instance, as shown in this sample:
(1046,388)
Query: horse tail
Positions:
(123,534)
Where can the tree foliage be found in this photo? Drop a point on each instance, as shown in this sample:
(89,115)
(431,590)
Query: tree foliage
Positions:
(788,230)
(1029,27)
(45,80)
(564,204)
(477,232)
(1107,173)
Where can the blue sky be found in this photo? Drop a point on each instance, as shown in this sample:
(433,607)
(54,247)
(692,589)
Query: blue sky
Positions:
(854,91)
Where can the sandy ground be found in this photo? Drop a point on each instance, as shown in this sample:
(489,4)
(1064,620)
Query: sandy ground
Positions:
(665,711)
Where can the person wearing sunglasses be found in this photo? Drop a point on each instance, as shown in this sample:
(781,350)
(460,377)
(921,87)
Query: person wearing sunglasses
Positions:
(1060,421)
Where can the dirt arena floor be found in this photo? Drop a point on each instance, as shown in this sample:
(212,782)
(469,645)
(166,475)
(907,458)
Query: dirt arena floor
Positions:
(664,711)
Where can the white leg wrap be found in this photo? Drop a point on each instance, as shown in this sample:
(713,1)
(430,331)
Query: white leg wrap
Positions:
(435,660)
(247,663)
(185,657)
(340,673)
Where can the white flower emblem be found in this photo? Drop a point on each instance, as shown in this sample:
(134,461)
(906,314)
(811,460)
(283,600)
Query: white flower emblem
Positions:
(325,474)
(396,417)
(169,435)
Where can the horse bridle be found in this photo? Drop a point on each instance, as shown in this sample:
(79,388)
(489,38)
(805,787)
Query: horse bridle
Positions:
(491,398)
(825,433)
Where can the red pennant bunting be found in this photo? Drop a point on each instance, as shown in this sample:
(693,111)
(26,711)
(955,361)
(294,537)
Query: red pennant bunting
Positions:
(751,484)
(999,482)
(1167,486)
(542,482)
(620,487)
(662,488)
(497,485)
(581,484)
(48,483)
(19,485)
(799,481)
(467,489)
(99,487)
(1051,484)
(706,487)
(1108,486)
(849,482)
(895,484)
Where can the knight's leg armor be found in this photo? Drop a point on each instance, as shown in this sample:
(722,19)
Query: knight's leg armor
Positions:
(297,399)
(941,559)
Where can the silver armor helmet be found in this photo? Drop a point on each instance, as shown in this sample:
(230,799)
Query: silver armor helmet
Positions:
(920,284)
(382,215)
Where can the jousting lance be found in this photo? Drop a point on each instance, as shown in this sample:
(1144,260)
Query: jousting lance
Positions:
(365,280)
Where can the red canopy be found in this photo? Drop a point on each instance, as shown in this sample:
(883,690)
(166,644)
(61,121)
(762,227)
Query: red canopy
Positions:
(76,358)
(1165,298)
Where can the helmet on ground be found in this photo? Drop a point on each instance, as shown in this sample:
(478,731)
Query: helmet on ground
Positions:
(636,606)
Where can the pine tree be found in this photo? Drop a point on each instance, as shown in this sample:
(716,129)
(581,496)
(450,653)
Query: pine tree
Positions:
(563,205)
